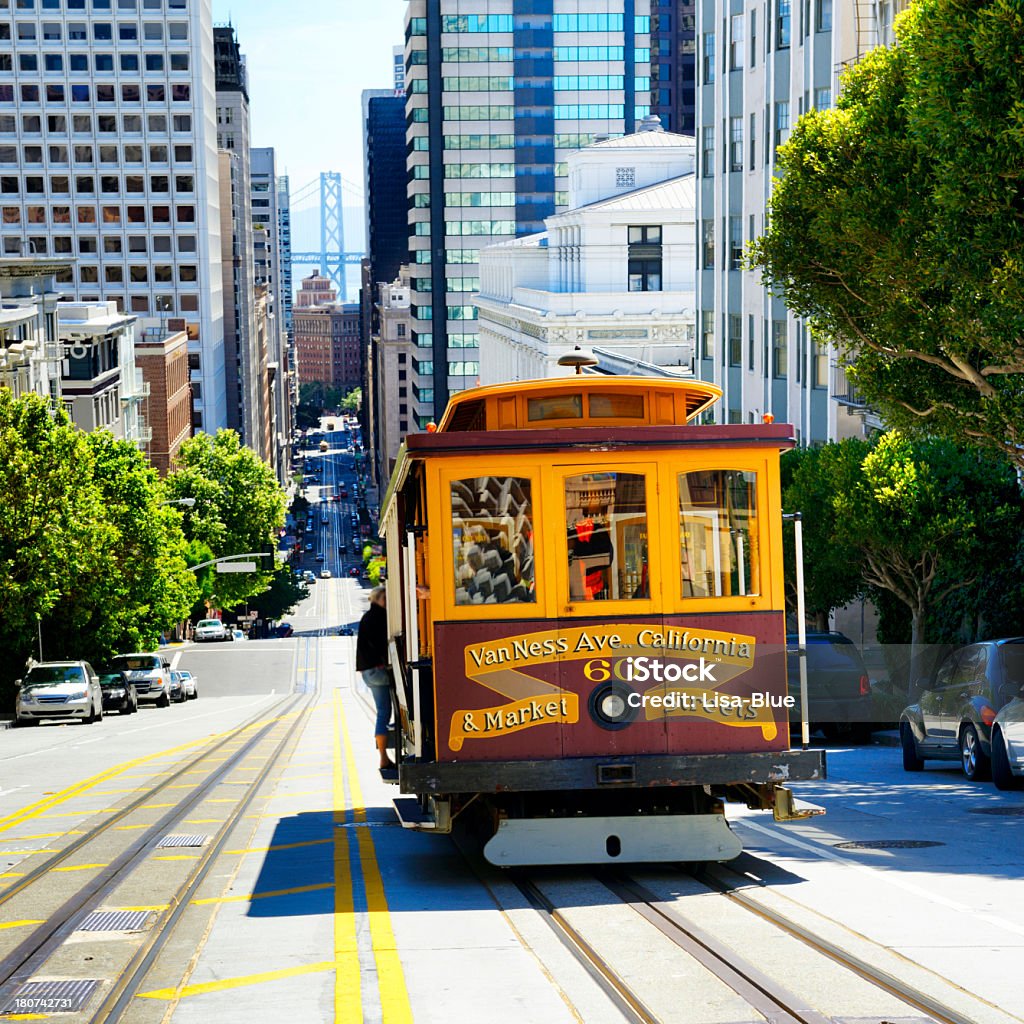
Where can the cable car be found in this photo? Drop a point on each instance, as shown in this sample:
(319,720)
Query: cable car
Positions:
(587,622)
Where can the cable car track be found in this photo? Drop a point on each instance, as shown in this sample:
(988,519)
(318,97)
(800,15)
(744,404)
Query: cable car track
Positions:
(767,996)
(278,727)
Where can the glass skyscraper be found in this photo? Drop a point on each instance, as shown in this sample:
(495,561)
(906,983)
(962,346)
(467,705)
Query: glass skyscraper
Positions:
(498,92)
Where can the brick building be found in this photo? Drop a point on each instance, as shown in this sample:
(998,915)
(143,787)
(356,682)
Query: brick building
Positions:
(164,362)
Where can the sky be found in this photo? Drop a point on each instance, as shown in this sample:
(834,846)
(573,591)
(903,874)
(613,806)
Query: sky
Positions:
(309,61)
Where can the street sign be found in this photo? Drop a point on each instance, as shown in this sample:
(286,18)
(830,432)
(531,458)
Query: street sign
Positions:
(236,567)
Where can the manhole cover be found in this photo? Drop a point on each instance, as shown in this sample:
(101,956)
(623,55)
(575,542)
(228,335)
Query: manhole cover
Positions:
(173,840)
(887,844)
(114,921)
(1003,812)
(45,997)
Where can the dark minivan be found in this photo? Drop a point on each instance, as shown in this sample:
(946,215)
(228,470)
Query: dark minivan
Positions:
(838,689)
(952,721)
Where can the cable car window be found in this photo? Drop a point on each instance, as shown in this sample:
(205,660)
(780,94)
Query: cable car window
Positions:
(629,407)
(560,407)
(718,533)
(606,524)
(492,534)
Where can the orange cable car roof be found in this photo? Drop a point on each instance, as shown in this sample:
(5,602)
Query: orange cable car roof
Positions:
(467,409)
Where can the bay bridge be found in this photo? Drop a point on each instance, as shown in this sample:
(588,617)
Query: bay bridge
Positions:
(318,231)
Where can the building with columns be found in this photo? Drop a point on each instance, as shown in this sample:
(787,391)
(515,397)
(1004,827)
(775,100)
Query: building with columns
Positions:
(615,269)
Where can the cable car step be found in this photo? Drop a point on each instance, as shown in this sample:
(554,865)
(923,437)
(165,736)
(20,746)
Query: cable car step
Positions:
(411,814)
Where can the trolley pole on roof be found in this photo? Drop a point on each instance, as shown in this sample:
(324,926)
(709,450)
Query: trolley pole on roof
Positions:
(801,625)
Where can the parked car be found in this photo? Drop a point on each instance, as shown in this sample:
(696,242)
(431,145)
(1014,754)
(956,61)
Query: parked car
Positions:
(148,673)
(118,693)
(191,685)
(59,689)
(1008,745)
(953,719)
(211,630)
(177,688)
(838,688)
(285,630)
(346,631)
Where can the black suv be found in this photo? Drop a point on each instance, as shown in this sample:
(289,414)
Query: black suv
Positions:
(952,721)
(838,689)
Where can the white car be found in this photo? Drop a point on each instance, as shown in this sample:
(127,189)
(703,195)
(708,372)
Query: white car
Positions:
(325,574)
(190,685)
(59,689)
(150,675)
(1008,746)
(210,630)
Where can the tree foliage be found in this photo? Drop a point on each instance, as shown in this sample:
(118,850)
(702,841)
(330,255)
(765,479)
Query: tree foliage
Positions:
(897,226)
(281,597)
(832,573)
(923,523)
(239,508)
(353,401)
(88,558)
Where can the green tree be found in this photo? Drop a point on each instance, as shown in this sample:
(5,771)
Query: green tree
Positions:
(922,516)
(54,536)
(281,597)
(239,507)
(353,401)
(832,573)
(897,225)
(143,586)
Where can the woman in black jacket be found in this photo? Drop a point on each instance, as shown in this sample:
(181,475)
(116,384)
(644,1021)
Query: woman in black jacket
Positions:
(372,662)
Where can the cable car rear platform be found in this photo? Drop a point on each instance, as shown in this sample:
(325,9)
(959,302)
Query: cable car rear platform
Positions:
(644,807)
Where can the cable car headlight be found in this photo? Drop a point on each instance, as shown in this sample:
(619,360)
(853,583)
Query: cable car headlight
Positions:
(610,707)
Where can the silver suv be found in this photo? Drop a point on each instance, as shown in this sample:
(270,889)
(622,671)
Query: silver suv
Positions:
(150,674)
(59,689)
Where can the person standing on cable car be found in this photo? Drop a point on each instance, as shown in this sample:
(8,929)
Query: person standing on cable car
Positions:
(372,662)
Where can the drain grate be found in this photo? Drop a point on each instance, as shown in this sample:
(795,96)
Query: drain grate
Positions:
(179,841)
(47,997)
(1003,812)
(887,844)
(367,824)
(114,921)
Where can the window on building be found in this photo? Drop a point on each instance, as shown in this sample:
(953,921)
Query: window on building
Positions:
(823,15)
(753,38)
(736,41)
(819,359)
(708,244)
(708,150)
(735,143)
(645,258)
(735,340)
(707,321)
(709,57)
(781,122)
(753,141)
(780,350)
(782,23)
(735,243)
(822,98)
(750,342)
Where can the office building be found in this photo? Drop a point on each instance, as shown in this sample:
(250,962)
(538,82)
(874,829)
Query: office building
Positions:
(673,64)
(244,410)
(615,269)
(755,79)
(108,152)
(29,347)
(163,359)
(398,69)
(101,387)
(498,94)
(384,159)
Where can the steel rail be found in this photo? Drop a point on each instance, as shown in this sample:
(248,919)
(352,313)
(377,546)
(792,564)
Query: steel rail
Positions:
(130,980)
(876,976)
(18,966)
(97,830)
(765,995)
(618,992)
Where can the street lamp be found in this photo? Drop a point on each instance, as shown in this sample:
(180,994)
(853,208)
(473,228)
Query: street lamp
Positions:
(188,502)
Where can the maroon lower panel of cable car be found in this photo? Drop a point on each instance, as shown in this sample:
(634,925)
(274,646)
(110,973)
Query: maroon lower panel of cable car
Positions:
(673,684)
